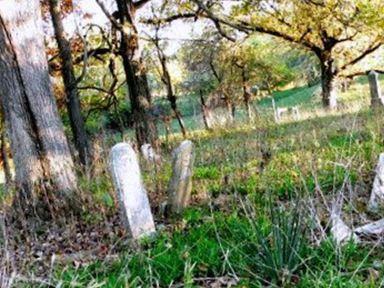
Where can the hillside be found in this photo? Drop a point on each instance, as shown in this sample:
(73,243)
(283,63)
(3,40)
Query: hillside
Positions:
(255,189)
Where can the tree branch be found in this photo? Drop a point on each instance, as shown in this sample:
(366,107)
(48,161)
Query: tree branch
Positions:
(93,53)
(246,28)
(368,51)
(140,3)
(157,21)
(361,73)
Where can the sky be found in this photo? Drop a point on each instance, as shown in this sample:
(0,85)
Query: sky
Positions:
(176,32)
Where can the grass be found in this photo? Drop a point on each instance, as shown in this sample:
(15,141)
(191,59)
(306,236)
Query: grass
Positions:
(243,226)
(212,245)
(302,96)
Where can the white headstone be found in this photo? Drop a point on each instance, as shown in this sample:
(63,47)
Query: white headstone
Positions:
(280,112)
(133,199)
(295,113)
(377,195)
(180,185)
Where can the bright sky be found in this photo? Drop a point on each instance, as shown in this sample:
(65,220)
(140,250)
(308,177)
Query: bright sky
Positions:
(176,31)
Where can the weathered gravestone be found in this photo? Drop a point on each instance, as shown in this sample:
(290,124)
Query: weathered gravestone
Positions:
(376,97)
(149,153)
(180,185)
(295,113)
(377,195)
(133,199)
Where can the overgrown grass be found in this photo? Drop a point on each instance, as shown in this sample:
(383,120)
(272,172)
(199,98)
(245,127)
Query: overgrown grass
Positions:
(242,226)
(264,252)
(257,249)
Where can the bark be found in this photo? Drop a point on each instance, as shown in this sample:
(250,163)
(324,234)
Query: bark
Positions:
(70,83)
(39,147)
(328,82)
(140,97)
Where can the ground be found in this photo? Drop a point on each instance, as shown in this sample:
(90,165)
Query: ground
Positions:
(261,197)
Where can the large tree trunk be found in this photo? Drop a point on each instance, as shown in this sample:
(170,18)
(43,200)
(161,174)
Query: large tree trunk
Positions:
(70,83)
(328,83)
(140,97)
(38,143)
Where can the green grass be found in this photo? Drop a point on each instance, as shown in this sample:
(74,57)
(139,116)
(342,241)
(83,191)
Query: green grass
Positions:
(219,241)
(214,244)
(253,235)
(302,96)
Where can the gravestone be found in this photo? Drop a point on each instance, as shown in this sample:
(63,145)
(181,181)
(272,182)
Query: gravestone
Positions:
(149,153)
(180,185)
(295,113)
(133,199)
(280,112)
(377,195)
(376,97)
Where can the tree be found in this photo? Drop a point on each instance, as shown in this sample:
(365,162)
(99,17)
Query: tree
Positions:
(123,20)
(70,83)
(203,61)
(340,33)
(166,79)
(39,147)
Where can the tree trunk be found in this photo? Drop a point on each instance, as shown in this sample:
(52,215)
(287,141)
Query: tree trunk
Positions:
(39,146)
(170,95)
(328,83)
(70,83)
(205,112)
(140,97)
(230,108)
(249,109)
(233,111)
(246,95)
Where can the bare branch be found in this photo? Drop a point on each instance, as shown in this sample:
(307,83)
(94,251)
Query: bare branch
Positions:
(169,19)
(93,53)
(361,73)
(246,28)
(372,48)
(140,3)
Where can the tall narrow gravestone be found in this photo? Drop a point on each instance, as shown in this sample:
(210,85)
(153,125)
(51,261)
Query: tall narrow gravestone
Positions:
(133,199)
(374,85)
(180,185)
